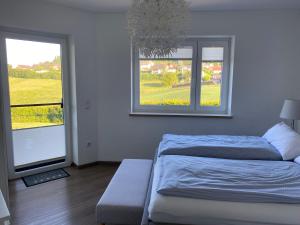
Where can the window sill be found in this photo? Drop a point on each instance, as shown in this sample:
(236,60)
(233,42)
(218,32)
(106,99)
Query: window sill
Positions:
(226,116)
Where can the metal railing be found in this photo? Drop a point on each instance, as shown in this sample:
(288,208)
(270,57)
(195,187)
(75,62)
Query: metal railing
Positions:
(35,105)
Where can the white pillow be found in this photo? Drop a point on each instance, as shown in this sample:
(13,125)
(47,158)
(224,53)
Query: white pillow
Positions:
(276,132)
(285,140)
(297,160)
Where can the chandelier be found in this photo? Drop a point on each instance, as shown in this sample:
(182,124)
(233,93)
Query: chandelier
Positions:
(157,27)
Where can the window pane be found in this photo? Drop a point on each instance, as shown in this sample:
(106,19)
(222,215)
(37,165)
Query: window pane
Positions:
(165,82)
(212,54)
(211,76)
(34,70)
(181,53)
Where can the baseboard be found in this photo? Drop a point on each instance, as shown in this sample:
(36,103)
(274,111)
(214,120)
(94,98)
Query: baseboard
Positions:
(103,163)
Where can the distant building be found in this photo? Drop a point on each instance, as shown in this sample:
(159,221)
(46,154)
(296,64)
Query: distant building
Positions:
(42,71)
(146,66)
(23,67)
(157,69)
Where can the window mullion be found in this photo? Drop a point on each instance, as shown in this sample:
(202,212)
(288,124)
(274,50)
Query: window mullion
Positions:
(198,76)
(225,77)
(136,79)
(194,78)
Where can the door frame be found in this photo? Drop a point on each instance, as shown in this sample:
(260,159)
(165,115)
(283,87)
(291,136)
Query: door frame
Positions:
(5,98)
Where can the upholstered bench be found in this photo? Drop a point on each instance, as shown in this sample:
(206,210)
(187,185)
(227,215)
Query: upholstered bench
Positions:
(123,201)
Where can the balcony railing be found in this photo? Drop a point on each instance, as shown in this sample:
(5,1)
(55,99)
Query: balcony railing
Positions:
(28,116)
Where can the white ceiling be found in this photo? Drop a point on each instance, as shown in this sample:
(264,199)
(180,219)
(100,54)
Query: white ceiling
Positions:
(197,5)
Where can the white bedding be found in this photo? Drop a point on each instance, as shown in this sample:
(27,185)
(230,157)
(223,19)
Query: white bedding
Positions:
(169,209)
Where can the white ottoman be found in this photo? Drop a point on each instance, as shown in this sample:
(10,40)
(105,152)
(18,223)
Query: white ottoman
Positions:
(123,200)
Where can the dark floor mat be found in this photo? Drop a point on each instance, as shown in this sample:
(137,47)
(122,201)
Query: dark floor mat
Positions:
(44,177)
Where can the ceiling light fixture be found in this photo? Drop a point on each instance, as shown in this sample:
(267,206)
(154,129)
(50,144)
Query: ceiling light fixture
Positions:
(157,27)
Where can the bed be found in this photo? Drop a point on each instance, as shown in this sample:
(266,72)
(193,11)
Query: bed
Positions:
(183,210)
(170,209)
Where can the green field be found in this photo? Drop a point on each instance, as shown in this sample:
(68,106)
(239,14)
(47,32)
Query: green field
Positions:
(162,82)
(32,91)
(153,92)
(35,91)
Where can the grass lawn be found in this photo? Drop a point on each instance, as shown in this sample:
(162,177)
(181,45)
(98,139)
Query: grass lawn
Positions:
(154,93)
(30,91)
(35,91)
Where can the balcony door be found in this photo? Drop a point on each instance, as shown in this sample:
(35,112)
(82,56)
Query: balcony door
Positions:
(34,83)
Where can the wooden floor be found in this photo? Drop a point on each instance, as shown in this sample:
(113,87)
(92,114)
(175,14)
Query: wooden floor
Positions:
(68,201)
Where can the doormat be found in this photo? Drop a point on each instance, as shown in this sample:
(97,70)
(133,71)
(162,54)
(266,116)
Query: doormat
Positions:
(44,177)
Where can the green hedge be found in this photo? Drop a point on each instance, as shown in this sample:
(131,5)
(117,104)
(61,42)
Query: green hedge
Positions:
(31,74)
(41,114)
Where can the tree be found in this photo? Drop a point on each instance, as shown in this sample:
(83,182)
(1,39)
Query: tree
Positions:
(207,74)
(169,79)
(43,70)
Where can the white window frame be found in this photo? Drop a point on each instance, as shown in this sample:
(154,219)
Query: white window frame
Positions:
(194,109)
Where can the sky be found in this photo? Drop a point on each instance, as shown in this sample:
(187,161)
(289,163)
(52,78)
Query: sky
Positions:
(21,52)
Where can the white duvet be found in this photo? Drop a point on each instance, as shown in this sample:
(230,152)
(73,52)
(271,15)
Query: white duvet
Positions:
(169,209)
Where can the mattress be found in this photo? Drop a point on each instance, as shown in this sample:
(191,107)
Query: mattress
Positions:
(181,210)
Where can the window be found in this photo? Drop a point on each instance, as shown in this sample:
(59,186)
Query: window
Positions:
(195,80)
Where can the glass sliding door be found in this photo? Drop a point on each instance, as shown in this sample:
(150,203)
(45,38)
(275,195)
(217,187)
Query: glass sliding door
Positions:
(35,74)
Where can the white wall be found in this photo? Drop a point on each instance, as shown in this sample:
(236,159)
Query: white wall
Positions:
(80,27)
(267,70)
